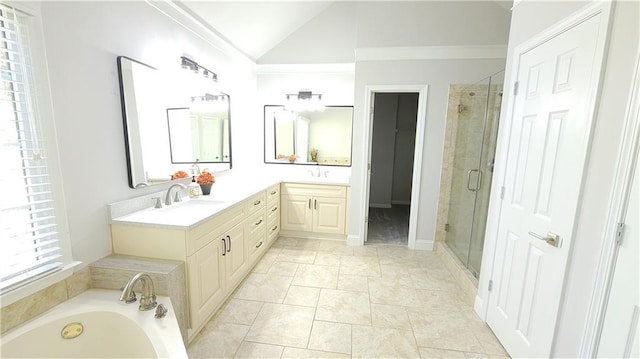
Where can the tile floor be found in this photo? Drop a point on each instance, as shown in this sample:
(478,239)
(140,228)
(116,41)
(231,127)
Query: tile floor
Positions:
(323,299)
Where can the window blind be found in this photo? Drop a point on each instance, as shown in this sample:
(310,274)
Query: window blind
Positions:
(29,246)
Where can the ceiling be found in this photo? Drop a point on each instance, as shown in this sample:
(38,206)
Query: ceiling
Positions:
(255,27)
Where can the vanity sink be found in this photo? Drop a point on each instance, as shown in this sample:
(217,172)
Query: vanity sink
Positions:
(181,214)
(191,204)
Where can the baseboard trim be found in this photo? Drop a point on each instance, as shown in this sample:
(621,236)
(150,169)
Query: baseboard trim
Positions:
(424,245)
(404,203)
(313,235)
(354,241)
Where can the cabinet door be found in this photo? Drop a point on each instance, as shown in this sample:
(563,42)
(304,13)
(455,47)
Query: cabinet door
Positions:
(235,257)
(205,271)
(296,213)
(329,215)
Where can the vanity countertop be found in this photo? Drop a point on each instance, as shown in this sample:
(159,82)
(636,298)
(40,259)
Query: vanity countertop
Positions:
(226,193)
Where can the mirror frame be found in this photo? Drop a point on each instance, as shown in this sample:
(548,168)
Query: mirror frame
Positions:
(129,132)
(264,112)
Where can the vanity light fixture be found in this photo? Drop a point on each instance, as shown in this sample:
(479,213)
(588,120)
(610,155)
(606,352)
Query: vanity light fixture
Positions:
(188,64)
(304,101)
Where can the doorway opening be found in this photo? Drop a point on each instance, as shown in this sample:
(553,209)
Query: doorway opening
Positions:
(393,145)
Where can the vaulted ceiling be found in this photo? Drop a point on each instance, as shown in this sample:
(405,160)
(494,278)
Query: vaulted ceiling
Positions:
(255,27)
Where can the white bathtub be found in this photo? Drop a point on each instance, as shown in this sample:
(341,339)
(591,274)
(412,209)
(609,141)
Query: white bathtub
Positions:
(111,329)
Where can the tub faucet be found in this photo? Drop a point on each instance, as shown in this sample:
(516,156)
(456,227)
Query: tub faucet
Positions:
(148,297)
(167,199)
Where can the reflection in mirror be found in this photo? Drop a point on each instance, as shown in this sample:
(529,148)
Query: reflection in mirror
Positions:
(152,154)
(200,133)
(308,137)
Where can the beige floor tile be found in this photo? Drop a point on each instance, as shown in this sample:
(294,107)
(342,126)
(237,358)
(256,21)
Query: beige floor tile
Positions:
(451,331)
(396,274)
(487,338)
(263,287)
(310,275)
(389,316)
(250,350)
(373,342)
(355,283)
(217,340)
(363,266)
(429,353)
(280,324)
(442,301)
(384,291)
(296,255)
(366,251)
(327,259)
(238,311)
(266,261)
(295,353)
(304,296)
(343,307)
(339,247)
(485,356)
(285,269)
(330,337)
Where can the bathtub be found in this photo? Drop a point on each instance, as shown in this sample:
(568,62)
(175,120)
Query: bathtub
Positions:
(108,328)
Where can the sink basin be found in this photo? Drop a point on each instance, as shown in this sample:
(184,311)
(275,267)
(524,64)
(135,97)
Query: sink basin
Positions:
(178,214)
(192,204)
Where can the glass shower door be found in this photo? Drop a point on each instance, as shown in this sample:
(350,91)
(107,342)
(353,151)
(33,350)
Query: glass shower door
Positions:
(476,124)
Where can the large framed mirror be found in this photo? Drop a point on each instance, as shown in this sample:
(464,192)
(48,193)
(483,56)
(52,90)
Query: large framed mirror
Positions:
(168,128)
(308,137)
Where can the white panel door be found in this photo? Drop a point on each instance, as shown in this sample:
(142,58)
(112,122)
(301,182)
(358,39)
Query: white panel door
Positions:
(546,155)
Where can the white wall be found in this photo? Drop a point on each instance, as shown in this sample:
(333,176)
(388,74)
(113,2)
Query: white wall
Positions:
(437,74)
(528,19)
(82,40)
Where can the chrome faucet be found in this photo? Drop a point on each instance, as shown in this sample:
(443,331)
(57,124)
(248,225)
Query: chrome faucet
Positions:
(167,199)
(148,298)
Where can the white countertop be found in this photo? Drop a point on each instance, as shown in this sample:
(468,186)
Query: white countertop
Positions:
(225,193)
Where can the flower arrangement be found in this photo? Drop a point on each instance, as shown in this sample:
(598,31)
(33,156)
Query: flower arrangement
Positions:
(179,174)
(292,158)
(205,178)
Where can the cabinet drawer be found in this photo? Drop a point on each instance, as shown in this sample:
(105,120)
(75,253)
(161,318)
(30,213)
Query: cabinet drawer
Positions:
(273,194)
(273,228)
(256,224)
(273,211)
(201,235)
(314,190)
(256,202)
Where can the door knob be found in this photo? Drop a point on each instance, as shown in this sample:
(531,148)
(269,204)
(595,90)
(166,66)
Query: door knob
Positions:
(551,238)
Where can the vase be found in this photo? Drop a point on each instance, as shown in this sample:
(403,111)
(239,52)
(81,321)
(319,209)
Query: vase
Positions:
(206,188)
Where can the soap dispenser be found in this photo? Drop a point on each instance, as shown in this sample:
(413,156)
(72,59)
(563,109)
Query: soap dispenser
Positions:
(194,188)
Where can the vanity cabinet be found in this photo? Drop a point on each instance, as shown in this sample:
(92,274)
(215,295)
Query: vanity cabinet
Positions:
(314,208)
(219,252)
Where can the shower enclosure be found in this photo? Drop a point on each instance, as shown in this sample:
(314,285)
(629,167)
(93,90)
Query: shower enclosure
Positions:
(472,128)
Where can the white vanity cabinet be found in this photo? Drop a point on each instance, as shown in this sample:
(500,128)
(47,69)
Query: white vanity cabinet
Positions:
(314,208)
(219,252)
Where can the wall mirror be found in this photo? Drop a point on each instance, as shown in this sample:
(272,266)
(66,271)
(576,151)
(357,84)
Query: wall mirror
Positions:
(308,137)
(168,128)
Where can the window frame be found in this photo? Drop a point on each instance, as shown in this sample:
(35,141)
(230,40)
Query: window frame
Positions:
(41,93)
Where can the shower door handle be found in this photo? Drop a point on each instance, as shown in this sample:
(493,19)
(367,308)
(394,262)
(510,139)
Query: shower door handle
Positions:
(478,179)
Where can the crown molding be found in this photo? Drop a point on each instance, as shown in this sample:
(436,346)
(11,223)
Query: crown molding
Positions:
(431,53)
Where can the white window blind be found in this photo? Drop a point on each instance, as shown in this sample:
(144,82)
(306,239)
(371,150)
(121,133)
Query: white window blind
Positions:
(29,245)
